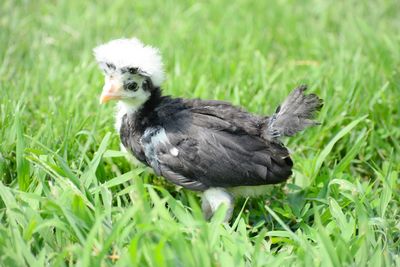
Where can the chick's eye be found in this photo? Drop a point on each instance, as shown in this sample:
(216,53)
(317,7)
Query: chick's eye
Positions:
(132,70)
(132,86)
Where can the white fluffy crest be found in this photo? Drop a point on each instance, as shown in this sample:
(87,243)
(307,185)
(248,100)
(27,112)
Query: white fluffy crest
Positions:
(132,53)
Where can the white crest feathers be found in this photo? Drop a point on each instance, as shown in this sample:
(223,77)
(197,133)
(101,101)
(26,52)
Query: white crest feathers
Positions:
(132,53)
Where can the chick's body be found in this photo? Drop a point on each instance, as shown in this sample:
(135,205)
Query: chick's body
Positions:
(203,145)
(200,144)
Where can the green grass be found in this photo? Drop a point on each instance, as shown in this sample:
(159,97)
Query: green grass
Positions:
(68,197)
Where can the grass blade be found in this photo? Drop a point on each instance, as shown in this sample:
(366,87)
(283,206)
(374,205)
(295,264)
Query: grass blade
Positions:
(328,148)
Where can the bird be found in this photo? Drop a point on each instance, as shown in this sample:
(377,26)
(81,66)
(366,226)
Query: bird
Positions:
(210,146)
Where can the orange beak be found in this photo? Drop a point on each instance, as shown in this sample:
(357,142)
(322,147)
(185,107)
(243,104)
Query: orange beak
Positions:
(111,91)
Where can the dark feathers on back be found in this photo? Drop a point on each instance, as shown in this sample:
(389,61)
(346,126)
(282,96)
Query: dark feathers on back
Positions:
(215,144)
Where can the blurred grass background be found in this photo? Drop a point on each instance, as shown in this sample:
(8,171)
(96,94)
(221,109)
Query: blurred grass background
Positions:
(68,197)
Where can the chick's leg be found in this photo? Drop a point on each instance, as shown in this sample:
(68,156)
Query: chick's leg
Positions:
(213,198)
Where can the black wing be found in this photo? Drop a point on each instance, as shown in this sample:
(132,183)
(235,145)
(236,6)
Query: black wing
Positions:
(212,146)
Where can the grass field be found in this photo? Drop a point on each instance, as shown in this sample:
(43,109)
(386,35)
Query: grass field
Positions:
(69,197)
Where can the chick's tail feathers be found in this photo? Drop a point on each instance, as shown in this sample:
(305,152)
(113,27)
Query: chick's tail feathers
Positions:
(295,114)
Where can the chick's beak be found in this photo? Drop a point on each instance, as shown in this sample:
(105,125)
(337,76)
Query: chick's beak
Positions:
(111,91)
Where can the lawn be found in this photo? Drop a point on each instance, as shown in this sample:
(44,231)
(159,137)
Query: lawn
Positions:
(69,197)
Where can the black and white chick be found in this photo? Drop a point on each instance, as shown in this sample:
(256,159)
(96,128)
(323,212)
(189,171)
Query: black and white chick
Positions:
(203,145)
